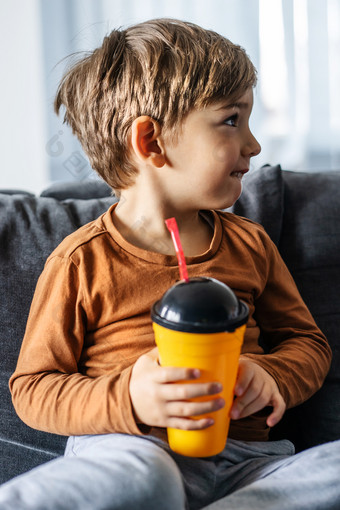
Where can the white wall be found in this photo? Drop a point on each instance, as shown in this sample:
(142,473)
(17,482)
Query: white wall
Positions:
(22,97)
(36,35)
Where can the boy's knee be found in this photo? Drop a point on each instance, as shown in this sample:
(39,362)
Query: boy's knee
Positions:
(132,470)
(160,480)
(146,478)
(144,475)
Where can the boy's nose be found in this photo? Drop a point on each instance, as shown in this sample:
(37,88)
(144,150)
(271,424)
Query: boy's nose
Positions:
(252,147)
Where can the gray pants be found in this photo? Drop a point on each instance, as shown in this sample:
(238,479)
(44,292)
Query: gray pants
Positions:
(117,471)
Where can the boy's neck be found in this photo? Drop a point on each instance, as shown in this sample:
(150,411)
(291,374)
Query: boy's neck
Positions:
(142,223)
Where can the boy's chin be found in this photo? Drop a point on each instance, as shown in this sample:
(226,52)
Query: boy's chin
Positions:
(226,204)
(231,202)
(222,202)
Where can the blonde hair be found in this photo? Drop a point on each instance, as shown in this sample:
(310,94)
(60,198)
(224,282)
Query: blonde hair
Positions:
(162,68)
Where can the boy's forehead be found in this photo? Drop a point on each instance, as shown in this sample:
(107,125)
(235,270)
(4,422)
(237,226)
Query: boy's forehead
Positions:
(241,102)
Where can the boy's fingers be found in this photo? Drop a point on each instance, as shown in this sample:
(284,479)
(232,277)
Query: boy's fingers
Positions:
(244,378)
(279,408)
(182,392)
(241,410)
(189,409)
(188,424)
(173,374)
(257,405)
(248,402)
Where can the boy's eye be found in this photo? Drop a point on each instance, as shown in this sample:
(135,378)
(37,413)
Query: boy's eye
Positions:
(232,120)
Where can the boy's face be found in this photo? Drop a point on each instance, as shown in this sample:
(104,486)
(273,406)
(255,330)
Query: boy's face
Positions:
(212,153)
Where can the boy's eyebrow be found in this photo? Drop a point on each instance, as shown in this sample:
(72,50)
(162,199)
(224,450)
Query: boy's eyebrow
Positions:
(238,104)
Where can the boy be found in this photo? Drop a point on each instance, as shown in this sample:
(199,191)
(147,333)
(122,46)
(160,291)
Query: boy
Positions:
(162,111)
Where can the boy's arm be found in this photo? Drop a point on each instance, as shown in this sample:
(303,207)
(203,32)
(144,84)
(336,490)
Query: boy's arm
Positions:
(47,389)
(50,394)
(299,355)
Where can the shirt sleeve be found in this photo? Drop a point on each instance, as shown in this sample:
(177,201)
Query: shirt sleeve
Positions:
(48,391)
(299,355)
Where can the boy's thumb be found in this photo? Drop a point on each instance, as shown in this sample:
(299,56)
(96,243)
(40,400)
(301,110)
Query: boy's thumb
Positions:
(154,354)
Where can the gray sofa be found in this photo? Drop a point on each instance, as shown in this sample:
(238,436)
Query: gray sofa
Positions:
(300,212)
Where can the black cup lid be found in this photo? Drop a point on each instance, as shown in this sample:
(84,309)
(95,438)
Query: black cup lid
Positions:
(202,305)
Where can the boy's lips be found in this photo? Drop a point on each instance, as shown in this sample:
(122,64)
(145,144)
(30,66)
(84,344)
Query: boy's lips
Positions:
(239,173)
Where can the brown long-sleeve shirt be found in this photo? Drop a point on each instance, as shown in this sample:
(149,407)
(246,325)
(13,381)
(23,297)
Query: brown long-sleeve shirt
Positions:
(90,321)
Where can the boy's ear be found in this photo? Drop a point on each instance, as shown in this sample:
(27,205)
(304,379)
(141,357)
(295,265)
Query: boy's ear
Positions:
(146,141)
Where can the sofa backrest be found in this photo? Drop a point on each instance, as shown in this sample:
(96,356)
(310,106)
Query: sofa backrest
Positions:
(30,228)
(299,211)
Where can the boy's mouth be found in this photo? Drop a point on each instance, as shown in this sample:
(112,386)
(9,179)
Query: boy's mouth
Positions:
(239,173)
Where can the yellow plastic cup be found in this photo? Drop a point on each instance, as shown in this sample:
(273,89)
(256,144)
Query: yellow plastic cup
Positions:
(201,324)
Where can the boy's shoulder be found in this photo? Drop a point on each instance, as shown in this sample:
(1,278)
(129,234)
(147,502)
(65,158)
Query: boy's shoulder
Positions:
(249,232)
(247,235)
(83,239)
(240,223)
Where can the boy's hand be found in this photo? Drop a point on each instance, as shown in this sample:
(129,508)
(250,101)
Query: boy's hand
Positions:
(160,399)
(255,389)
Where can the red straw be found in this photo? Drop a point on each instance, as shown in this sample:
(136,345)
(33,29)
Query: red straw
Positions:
(173,228)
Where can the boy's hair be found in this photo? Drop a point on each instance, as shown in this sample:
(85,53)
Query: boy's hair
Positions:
(162,68)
